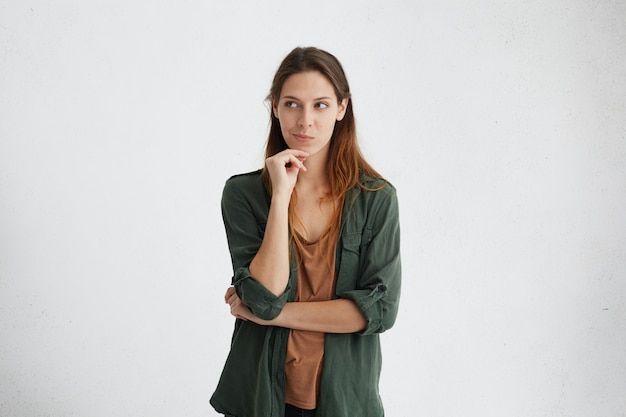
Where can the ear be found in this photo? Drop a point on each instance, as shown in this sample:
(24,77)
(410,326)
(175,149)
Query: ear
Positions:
(341,111)
(275,109)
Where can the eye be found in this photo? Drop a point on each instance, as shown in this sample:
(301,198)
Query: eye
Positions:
(291,104)
(322,105)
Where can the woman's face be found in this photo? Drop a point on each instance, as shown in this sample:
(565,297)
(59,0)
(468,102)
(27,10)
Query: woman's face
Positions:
(307,111)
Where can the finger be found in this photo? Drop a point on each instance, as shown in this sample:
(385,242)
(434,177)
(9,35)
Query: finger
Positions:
(295,152)
(229,292)
(294,161)
(289,154)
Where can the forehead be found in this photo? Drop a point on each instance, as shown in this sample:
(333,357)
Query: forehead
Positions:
(307,85)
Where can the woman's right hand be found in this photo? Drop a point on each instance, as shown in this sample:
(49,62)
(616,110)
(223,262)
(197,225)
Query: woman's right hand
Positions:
(284,168)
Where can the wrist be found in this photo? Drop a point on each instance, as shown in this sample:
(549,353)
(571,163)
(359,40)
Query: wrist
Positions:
(281,196)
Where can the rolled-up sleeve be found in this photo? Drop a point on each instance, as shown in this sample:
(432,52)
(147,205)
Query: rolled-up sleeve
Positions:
(261,301)
(244,211)
(377,293)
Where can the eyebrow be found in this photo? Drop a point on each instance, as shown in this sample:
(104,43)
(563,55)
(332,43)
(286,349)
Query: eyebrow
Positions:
(297,99)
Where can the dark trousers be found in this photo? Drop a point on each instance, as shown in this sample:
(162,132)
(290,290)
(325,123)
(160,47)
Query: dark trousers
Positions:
(291,411)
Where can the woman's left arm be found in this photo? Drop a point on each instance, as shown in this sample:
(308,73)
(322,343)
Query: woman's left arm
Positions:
(332,316)
(377,292)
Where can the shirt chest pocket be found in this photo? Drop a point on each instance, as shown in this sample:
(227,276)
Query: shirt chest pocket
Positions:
(353,247)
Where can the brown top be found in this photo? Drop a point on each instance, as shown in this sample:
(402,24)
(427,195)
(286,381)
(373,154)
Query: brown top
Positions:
(305,350)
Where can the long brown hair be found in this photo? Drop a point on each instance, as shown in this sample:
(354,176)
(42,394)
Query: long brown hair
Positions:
(345,163)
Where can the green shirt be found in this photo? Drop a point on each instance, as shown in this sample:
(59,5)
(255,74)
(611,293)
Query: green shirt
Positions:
(252,383)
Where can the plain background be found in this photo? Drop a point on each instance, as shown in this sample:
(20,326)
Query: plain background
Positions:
(502,124)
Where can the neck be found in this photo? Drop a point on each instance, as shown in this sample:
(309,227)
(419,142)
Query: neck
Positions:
(316,174)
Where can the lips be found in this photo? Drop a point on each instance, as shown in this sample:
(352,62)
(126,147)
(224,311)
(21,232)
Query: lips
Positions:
(302,138)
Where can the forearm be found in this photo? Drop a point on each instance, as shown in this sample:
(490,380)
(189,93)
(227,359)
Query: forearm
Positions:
(333,316)
(270,265)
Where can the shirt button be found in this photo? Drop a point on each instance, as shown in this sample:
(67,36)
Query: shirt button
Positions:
(382,288)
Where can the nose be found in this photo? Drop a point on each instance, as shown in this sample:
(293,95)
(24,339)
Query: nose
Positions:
(306,118)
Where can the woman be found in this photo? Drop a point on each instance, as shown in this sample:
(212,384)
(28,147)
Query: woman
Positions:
(315,245)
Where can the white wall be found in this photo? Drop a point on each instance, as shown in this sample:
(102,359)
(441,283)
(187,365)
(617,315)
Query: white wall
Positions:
(502,124)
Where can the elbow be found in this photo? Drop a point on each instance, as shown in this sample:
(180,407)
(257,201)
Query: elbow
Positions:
(381,318)
(378,308)
(377,326)
(388,321)
(273,282)
(262,302)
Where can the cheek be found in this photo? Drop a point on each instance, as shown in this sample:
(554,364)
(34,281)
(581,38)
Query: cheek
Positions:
(329,122)
(284,123)
(285,119)
(285,126)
